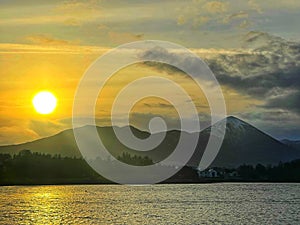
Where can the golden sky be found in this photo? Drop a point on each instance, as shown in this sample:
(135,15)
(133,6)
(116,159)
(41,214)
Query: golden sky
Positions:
(48,45)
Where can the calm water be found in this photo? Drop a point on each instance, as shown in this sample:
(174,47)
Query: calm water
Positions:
(157,204)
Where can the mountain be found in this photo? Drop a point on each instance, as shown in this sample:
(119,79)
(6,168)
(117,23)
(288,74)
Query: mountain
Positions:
(64,143)
(243,144)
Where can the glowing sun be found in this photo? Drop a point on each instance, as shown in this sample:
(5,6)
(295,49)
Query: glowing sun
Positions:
(44,102)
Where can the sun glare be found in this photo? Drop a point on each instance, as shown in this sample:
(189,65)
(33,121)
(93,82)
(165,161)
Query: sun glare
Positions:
(44,102)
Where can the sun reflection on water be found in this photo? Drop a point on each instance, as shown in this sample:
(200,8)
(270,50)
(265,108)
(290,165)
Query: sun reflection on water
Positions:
(40,204)
(152,204)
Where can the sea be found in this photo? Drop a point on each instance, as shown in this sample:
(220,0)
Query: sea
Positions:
(216,203)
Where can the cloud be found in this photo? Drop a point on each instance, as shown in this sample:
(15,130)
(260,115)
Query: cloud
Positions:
(16,135)
(45,128)
(289,101)
(255,6)
(269,71)
(277,122)
(43,39)
(69,13)
(141,120)
(57,48)
(245,24)
(77,12)
(212,14)
(214,7)
(269,4)
(100,121)
(159,105)
(238,15)
(123,37)
(34,20)
(154,55)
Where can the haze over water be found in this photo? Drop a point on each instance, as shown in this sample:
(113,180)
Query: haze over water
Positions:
(227,203)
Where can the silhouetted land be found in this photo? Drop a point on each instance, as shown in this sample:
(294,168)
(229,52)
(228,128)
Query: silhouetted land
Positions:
(27,168)
(242,144)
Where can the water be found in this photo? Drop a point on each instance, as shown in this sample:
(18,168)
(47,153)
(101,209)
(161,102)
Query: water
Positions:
(228,203)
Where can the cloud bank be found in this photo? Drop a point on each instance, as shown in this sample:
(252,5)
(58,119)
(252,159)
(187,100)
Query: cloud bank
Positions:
(268,71)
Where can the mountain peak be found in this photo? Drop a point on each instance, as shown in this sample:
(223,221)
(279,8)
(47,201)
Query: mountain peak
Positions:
(232,118)
(236,121)
(231,123)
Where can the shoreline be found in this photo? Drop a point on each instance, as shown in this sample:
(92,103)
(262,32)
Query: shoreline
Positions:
(163,183)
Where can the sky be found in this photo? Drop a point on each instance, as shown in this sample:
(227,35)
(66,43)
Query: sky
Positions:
(253,48)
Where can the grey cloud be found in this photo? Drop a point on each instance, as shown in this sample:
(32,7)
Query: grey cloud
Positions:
(271,63)
(280,123)
(152,58)
(268,116)
(289,101)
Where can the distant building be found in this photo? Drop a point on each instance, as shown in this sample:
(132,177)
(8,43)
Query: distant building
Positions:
(210,173)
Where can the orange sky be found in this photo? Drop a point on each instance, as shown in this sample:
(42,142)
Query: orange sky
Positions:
(48,45)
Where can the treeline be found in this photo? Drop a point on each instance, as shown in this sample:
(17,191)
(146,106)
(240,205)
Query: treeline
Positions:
(283,172)
(37,168)
(135,160)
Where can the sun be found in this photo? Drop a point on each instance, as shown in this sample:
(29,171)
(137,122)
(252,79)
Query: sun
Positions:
(44,102)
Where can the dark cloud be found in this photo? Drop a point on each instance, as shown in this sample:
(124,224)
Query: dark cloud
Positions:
(173,60)
(268,116)
(261,85)
(289,101)
(279,123)
(272,64)
(155,54)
